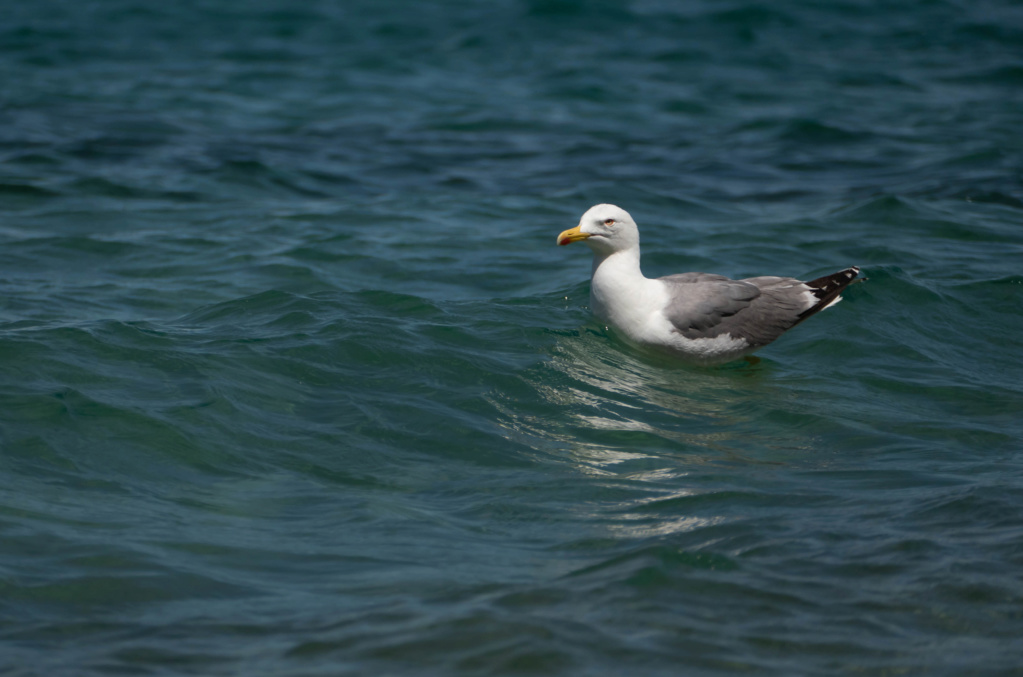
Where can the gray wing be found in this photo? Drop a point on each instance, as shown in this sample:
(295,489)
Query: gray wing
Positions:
(759,309)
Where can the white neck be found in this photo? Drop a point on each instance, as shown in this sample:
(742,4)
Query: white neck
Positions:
(619,294)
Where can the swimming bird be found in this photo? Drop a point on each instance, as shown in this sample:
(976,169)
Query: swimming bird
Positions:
(699,317)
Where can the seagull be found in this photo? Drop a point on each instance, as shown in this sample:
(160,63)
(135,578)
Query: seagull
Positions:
(699,317)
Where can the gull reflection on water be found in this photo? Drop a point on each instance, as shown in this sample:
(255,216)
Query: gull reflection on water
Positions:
(611,389)
(604,405)
(657,434)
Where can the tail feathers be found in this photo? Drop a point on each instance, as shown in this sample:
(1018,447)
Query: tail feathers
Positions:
(828,289)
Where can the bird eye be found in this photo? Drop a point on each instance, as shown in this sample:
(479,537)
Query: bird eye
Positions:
(609,222)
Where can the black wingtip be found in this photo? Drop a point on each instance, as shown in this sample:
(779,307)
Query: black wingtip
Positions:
(830,287)
(825,285)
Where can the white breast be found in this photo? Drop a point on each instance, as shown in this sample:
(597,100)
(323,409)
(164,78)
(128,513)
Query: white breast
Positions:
(634,307)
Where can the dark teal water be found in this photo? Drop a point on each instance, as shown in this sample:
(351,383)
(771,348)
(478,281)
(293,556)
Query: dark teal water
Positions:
(293,380)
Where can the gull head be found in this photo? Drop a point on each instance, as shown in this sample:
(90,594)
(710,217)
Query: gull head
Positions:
(605,228)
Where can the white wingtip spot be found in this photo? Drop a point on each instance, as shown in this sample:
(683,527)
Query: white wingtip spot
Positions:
(833,302)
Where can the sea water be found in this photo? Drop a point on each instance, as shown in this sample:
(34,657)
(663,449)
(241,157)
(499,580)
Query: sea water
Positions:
(294,380)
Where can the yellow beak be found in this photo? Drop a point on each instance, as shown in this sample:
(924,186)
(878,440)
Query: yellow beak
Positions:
(572,235)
